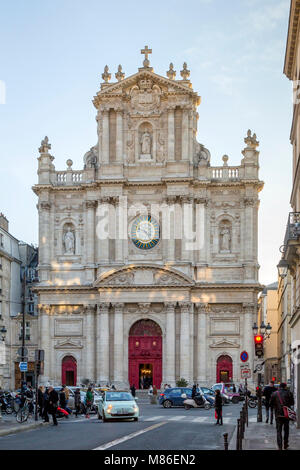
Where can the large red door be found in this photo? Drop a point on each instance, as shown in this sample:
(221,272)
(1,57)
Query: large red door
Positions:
(69,371)
(145,354)
(224,369)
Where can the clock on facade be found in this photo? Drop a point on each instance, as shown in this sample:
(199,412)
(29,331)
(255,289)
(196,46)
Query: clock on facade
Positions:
(145,232)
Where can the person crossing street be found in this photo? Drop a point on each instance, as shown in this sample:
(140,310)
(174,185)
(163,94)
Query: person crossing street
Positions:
(267,393)
(279,399)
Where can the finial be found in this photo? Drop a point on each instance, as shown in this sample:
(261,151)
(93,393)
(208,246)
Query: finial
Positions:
(69,164)
(171,73)
(45,146)
(225,160)
(251,141)
(146,51)
(120,75)
(185,73)
(106,75)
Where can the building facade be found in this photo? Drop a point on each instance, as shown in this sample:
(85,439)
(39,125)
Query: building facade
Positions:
(291,245)
(148,256)
(284,328)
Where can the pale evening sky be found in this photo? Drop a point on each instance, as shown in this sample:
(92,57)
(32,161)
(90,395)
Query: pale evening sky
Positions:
(52,55)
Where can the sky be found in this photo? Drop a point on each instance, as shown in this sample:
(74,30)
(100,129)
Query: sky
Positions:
(52,55)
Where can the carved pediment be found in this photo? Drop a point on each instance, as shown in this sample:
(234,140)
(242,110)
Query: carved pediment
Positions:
(68,343)
(224,344)
(150,275)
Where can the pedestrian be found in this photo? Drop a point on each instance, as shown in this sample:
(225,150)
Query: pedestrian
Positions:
(51,405)
(132,388)
(150,391)
(234,388)
(89,399)
(67,395)
(40,400)
(279,399)
(194,391)
(218,408)
(267,393)
(77,401)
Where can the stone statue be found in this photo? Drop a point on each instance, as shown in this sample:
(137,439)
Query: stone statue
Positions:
(146,143)
(225,239)
(69,241)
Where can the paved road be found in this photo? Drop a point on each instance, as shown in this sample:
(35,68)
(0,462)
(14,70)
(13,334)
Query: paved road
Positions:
(157,429)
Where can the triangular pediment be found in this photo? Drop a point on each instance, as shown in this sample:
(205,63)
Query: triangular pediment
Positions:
(224,343)
(148,275)
(68,344)
(124,86)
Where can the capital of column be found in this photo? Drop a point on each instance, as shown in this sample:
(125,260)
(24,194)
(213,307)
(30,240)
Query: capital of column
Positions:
(170,306)
(89,308)
(118,307)
(45,206)
(91,204)
(185,306)
(103,307)
(44,309)
(170,200)
(202,307)
(248,307)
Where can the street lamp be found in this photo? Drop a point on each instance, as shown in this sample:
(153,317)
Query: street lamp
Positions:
(255,329)
(3,332)
(282,268)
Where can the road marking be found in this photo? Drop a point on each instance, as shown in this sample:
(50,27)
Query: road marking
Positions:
(155,418)
(201,419)
(130,436)
(227,420)
(177,418)
(252,420)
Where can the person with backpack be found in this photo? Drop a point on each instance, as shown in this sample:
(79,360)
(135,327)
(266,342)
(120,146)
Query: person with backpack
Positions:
(279,400)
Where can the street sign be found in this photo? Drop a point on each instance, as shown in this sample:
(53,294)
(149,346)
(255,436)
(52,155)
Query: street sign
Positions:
(244,356)
(23,351)
(245,373)
(23,366)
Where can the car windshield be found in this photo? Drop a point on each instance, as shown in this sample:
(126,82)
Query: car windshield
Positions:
(229,387)
(207,391)
(217,387)
(119,396)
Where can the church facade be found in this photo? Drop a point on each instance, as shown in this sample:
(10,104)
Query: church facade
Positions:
(148,256)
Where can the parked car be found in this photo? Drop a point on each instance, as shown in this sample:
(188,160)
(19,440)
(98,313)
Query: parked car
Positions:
(173,396)
(208,393)
(227,392)
(117,405)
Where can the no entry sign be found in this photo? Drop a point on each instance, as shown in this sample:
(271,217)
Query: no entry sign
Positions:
(244,356)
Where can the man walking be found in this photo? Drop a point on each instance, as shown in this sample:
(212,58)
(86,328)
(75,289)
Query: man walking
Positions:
(279,399)
(267,393)
(53,401)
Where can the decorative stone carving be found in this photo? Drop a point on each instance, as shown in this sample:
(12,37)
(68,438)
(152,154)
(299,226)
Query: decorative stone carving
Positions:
(225,237)
(201,154)
(126,278)
(251,140)
(146,144)
(144,307)
(106,75)
(185,73)
(224,344)
(69,242)
(145,97)
(120,75)
(45,206)
(45,146)
(91,158)
(160,154)
(171,73)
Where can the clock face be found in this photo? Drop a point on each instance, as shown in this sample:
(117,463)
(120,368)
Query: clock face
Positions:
(145,232)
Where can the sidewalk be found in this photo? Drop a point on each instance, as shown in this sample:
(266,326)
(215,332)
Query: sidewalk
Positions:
(262,436)
(9,425)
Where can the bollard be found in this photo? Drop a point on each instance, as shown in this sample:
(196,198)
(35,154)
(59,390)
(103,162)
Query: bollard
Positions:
(225,435)
(241,437)
(238,435)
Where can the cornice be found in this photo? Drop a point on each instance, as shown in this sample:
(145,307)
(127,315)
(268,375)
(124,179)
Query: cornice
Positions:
(292,39)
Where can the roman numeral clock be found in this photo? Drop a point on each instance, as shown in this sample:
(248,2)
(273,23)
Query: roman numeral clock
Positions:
(145,232)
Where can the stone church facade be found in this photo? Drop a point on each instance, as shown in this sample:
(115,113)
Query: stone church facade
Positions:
(148,256)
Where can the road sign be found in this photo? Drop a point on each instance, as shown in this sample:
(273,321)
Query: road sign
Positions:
(23,366)
(245,373)
(244,356)
(23,351)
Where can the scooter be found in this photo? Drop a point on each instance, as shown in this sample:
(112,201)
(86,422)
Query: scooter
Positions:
(199,401)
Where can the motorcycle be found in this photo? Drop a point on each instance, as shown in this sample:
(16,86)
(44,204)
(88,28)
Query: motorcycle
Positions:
(199,401)
(5,406)
(252,401)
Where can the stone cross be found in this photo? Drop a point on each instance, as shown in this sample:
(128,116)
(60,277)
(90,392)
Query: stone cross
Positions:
(146,51)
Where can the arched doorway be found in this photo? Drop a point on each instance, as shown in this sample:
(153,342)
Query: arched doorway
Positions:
(224,369)
(145,354)
(69,371)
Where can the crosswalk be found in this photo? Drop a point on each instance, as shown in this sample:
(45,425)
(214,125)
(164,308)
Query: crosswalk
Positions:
(190,419)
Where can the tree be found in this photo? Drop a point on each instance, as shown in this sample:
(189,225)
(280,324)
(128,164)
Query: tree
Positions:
(182,383)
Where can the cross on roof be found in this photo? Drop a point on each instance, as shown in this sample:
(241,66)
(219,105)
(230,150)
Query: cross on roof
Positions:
(146,51)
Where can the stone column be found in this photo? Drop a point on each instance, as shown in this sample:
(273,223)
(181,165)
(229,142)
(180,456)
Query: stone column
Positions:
(90,343)
(187,227)
(185,341)
(90,238)
(247,321)
(171,135)
(118,345)
(119,137)
(170,242)
(105,136)
(185,134)
(102,227)
(121,223)
(201,345)
(44,231)
(169,353)
(102,359)
(45,341)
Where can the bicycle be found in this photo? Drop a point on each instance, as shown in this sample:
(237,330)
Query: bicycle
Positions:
(23,412)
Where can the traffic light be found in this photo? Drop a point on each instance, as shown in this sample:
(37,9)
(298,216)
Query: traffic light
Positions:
(259,345)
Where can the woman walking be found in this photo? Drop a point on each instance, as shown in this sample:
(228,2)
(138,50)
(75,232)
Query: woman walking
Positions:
(40,400)
(77,401)
(218,408)
(89,399)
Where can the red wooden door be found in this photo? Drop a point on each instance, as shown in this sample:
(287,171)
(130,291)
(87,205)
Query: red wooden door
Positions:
(224,369)
(69,371)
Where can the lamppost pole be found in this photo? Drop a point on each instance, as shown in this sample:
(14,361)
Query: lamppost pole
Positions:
(23,374)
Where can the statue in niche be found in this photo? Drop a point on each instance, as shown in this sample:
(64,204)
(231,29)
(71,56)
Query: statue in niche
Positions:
(225,238)
(69,242)
(146,143)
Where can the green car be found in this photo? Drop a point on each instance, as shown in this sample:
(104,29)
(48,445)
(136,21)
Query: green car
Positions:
(116,405)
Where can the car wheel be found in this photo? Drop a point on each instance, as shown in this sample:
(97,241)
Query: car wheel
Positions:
(167,404)
(135,419)
(187,407)
(207,406)
(235,400)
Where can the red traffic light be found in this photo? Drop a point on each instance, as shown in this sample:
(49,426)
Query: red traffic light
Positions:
(258,339)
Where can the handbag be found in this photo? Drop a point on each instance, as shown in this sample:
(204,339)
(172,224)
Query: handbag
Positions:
(287,412)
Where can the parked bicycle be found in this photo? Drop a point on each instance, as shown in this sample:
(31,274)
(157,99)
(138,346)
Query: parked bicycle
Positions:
(24,410)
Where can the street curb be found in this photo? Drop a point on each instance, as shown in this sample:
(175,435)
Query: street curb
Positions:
(232,442)
(21,428)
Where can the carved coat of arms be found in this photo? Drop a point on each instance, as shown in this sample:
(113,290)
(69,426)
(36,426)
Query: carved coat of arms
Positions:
(145,97)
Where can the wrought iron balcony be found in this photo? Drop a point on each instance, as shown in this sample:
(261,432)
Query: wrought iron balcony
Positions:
(292,228)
